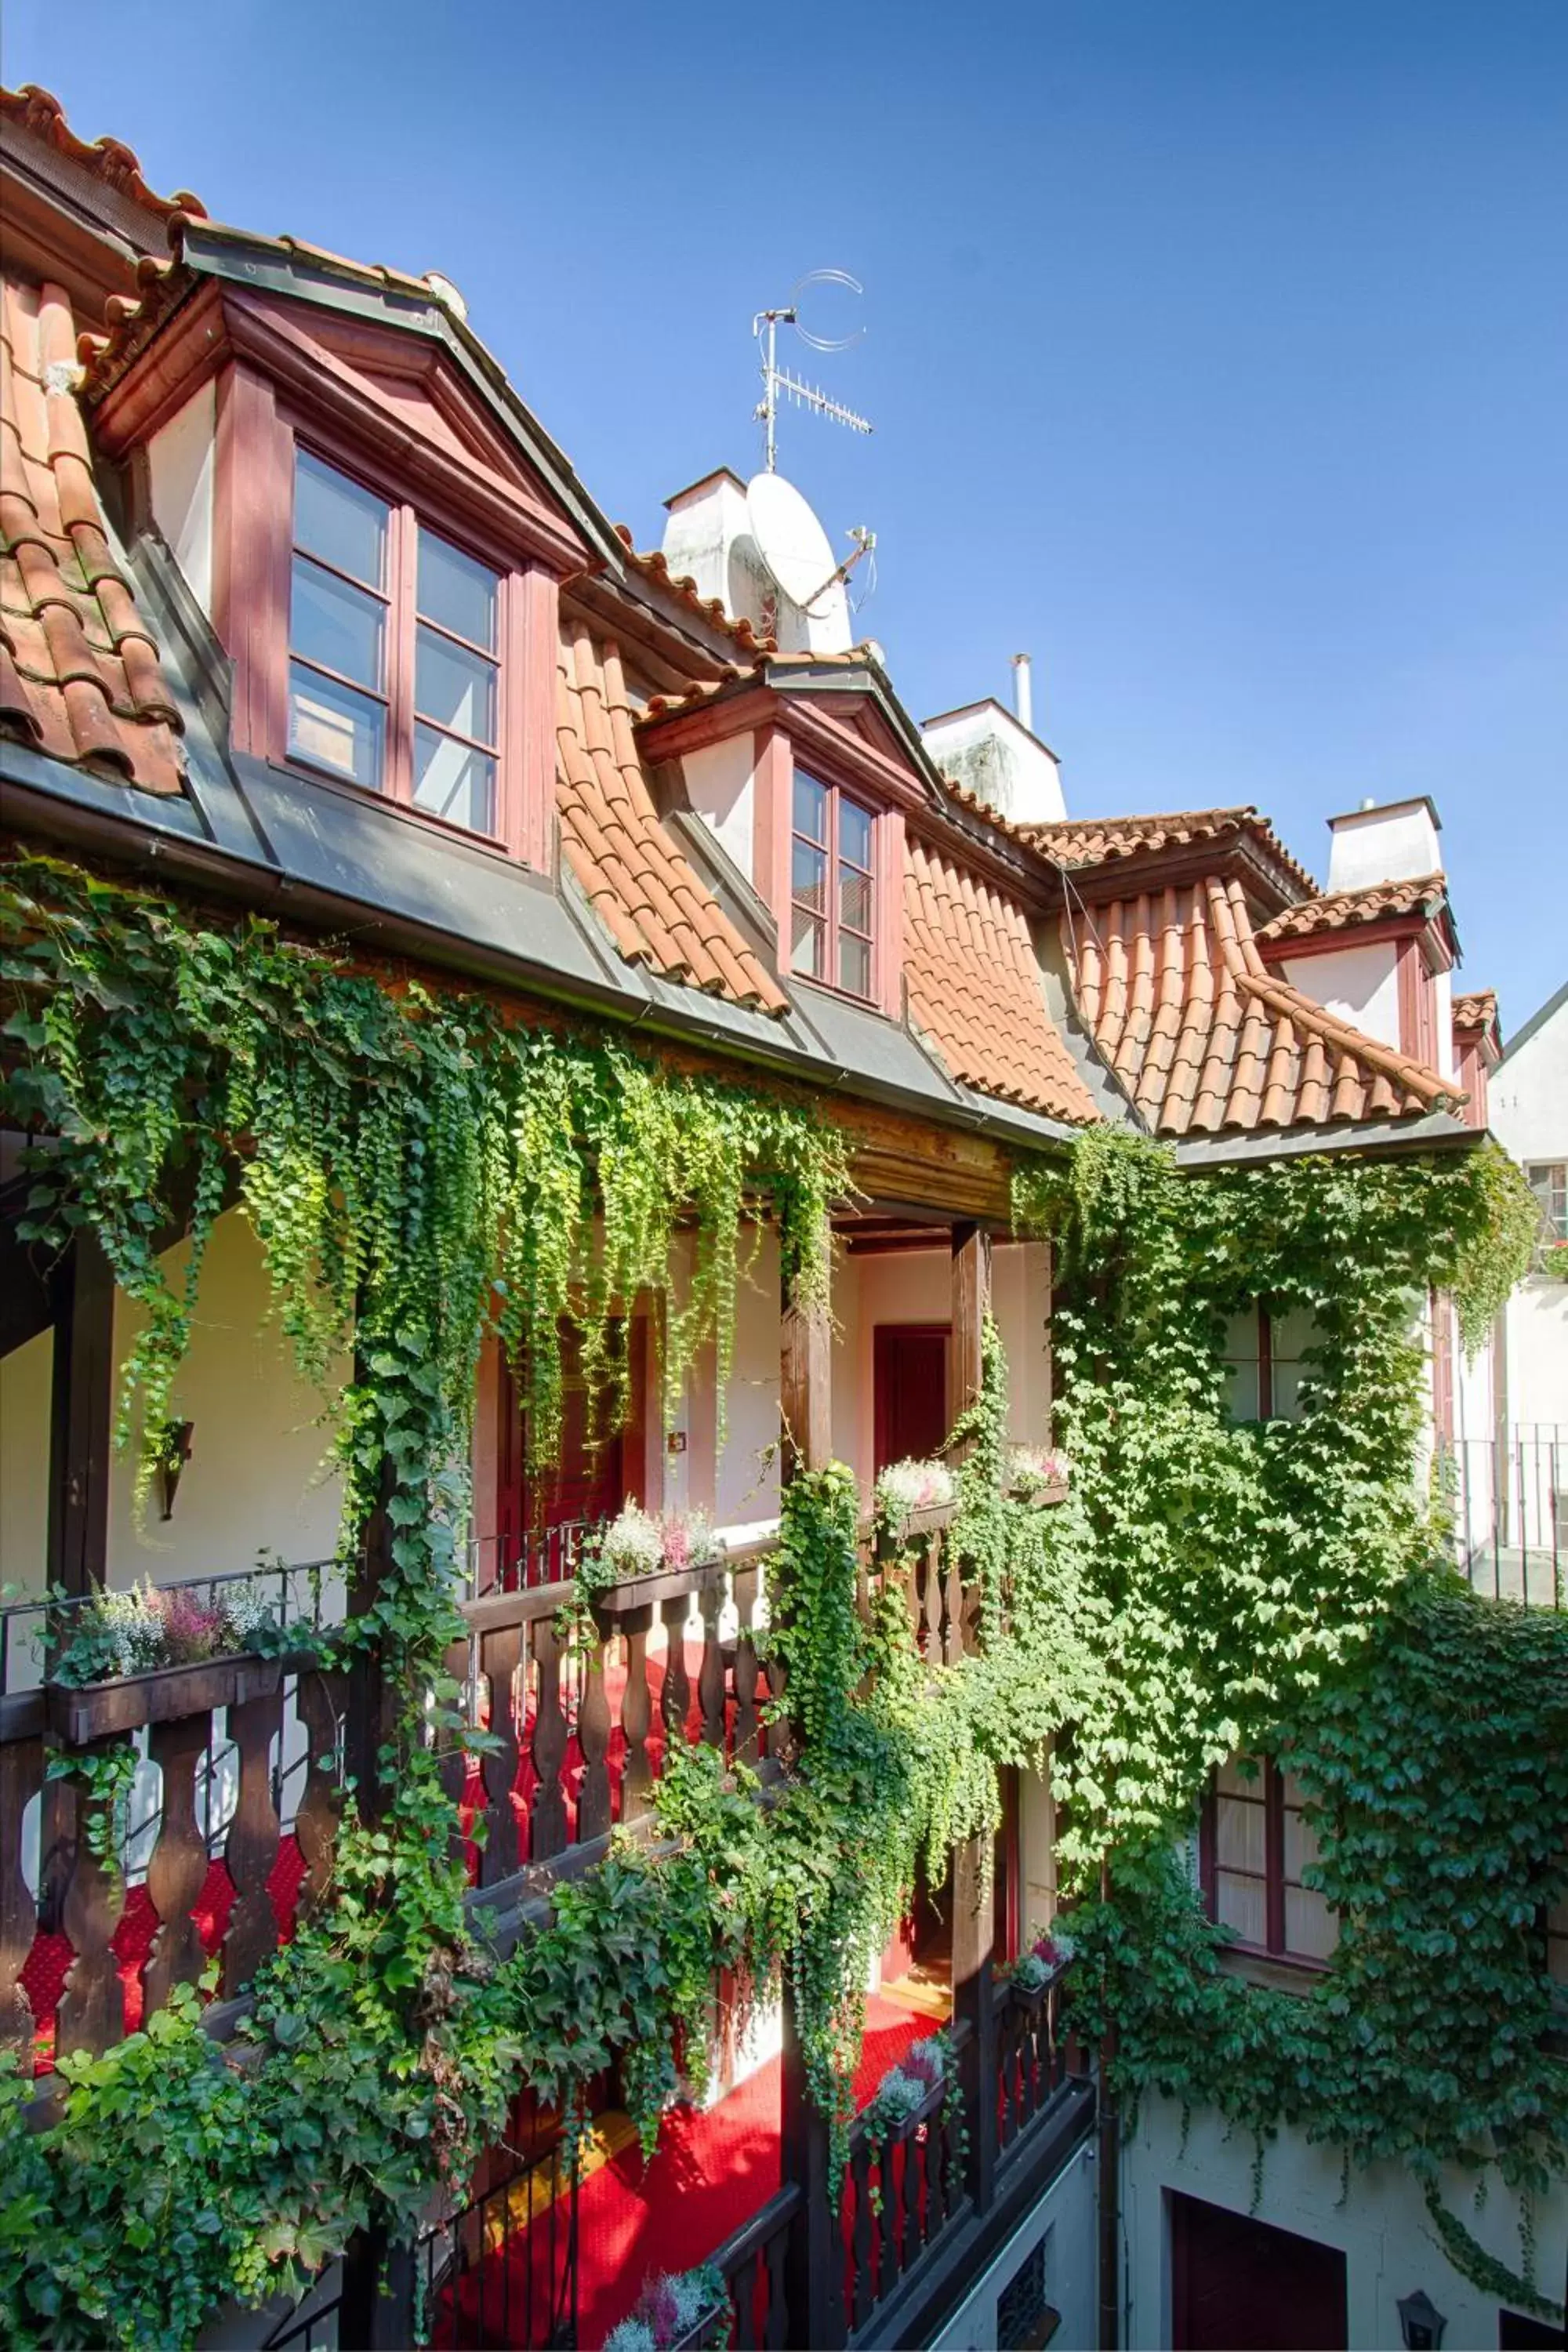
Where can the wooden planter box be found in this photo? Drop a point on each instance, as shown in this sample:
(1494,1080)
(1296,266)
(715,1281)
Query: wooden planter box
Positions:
(127,1701)
(1046,1497)
(664,1584)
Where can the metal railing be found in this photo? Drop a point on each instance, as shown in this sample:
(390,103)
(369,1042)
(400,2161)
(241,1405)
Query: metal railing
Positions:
(1509,1498)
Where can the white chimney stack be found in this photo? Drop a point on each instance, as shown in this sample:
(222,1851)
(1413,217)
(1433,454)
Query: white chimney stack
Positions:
(1023,691)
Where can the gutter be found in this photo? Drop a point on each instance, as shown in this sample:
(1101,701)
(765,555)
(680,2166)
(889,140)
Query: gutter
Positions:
(1437,1131)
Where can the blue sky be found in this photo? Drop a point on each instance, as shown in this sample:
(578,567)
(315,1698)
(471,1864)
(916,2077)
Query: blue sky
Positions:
(1216,348)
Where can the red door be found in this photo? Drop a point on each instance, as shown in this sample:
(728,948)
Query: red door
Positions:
(1240,2285)
(589,1481)
(909,1363)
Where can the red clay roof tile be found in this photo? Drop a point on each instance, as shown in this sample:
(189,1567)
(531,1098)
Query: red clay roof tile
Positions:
(1477,1009)
(110,160)
(1095,841)
(1207,1039)
(975,989)
(1342,909)
(81,676)
(650,898)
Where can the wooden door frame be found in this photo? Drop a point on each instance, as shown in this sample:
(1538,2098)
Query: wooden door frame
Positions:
(942,1331)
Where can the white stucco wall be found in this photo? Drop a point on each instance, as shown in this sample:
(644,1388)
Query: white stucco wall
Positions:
(1528,1115)
(253,1481)
(720,782)
(181,462)
(1389,2244)
(1360,984)
(1064,2218)
(747,1479)
(1398,843)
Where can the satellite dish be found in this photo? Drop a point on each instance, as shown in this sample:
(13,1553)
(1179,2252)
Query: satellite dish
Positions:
(790,540)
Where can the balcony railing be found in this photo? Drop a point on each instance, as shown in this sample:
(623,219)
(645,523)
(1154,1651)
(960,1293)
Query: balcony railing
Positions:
(1510,1502)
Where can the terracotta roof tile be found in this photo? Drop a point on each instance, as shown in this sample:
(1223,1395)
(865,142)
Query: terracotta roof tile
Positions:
(653,565)
(1476,1009)
(110,160)
(1342,909)
(80,673)
(1207,1039)
(1095,841)
(975,989)
(646,894)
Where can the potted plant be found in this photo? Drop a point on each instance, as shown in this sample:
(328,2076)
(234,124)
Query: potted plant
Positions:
(1038,1474)
(906,1489)
(149,1656)
(1044,1961)
(678,2311)
(635,1560)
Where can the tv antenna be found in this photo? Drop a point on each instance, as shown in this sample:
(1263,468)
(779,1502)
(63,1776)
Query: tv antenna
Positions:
(777,381)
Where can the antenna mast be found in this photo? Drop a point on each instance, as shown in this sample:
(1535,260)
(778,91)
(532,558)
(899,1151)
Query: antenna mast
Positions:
(777,380)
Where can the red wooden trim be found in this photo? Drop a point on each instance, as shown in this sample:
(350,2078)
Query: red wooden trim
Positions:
(771,820)
(884,1337)
(889,959)
(1208,1843)
(528,690)
(253,512)
(1410,976)
(401,559)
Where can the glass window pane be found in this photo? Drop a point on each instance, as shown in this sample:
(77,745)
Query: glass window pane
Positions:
(455,689)
(853,834)
(1239,1834)
(457,592)
(853,964)
(808,879)
(1310,1928)
(854,899)
(337,521)
(453,781)
(807,940)
(1233,1780)
(337,626)
(1240,1904)
(810,807)
(336,727)
(1300,1844)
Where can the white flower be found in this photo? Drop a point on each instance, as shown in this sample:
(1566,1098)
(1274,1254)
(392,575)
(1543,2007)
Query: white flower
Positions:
(906,1486)
(633,1543)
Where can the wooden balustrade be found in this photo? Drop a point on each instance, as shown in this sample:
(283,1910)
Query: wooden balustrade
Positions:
(896,2199)
(1030,2058)
(751,2264)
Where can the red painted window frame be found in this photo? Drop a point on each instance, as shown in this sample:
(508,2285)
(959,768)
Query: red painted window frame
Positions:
(777,755)
(837,794)
(1270,1784)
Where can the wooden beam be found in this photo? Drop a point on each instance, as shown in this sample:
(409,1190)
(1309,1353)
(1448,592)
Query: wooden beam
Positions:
(81,1412)
(971,1306)
(805,1393)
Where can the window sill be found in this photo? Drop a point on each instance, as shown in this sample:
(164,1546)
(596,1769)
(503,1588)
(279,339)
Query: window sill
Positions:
(426,820)
(839,996)
(1279,1971)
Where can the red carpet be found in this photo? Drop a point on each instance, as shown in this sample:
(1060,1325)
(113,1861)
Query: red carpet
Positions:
(712,2173)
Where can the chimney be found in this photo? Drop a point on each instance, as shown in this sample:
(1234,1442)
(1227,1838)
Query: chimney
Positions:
(707,537)
(1395,843)
(1023,691)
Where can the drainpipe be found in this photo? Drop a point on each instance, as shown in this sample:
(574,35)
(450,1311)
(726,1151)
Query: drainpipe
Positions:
(1109,2170)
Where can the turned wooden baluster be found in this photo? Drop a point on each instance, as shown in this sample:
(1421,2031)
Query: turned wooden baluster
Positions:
(865,2288)
(746,1742)
(953,1644)
(594,1739)
(930,1569)
(888,2226)
(636,1715)
(711,1674)
(936,2173)
(21,1777)
(178,1869)
(251,1847)
(548,1820)
(676,1697)
(775,2334)
(917,2163)
(501,1650)
(92,2012)
(319,1698)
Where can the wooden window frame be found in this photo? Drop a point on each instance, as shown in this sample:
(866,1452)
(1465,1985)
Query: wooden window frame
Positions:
(777,756)
(1270,1784)
(1555,1224)
(831,922)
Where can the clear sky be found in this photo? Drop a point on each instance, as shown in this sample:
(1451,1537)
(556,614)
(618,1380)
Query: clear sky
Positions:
(1216,348)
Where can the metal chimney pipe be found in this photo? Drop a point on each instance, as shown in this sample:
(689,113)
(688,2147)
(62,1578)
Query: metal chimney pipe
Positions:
(1023,692)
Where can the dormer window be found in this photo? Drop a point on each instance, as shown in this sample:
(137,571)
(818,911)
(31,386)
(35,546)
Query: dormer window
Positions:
(832,887)
(394,652)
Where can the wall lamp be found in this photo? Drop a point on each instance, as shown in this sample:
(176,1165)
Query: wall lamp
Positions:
(1421,2323)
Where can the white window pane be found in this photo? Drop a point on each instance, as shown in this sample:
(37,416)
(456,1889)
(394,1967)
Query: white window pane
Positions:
(1233,1780)
(1240,1906)
(457,592)
(1300,1844)
(1312,1931)
(337,521)
(853,834)
(1240,1833)
(854,899)
(337,626)
(333,727)
(454,781)
(1287,1391)
(853,964)
(455,689)
(810,806)
(807,944)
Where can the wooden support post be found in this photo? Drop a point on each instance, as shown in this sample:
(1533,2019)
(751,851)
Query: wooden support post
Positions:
(971,1306)
(376,2313)
(81,1412)
(814,2257)
(370,1718)
(805,1393)
(973,1937)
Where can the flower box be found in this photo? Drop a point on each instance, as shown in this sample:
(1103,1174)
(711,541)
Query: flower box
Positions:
(125,1702)
(635,1592)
